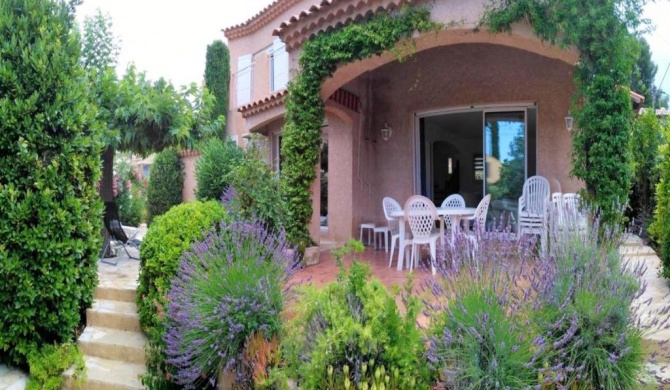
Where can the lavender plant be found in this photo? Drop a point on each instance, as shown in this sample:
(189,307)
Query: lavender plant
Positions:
(228,289)
(587,332)
(478,336)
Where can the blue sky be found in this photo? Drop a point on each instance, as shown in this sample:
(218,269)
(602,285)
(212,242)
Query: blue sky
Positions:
(168,38)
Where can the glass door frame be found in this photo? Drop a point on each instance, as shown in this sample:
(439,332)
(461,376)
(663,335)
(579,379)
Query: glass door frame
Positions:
(488,108)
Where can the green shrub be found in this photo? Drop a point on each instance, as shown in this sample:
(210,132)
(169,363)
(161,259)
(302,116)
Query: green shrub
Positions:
(216,161)
(50,218)
(351,332)
(165,183)
(660,228)
(48,364)
(129,189)
(256,189)
(168,238)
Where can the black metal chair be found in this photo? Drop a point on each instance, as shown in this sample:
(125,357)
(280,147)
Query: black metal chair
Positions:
(116,233)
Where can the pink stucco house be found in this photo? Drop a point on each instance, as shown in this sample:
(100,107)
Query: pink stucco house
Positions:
(470,112)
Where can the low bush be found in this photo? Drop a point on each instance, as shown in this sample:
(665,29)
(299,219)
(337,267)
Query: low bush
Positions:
(227,294)
(217,159)
(351,335)
(168,238)
(256,192)
(166,182)
(48,364)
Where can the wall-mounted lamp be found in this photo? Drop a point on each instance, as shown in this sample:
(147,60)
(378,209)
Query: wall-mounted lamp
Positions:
(569,121)
(387,130)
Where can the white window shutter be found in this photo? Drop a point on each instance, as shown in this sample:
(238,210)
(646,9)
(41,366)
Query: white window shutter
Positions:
(244,73)
(279,65)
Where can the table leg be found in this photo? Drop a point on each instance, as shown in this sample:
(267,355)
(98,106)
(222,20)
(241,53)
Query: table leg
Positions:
(401,246)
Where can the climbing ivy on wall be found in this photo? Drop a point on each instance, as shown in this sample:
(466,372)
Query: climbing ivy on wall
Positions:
(603,33)
(305,110)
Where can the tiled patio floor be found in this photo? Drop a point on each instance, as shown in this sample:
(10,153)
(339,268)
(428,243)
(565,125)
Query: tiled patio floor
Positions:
(326,271)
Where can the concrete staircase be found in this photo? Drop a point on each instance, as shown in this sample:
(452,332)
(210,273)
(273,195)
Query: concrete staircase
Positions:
(112,342)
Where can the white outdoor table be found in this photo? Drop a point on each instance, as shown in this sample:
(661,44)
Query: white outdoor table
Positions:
(456,215)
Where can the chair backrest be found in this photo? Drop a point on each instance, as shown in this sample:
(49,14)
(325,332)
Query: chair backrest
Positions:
(572,207)
(454,201)
(113,224)
(420,213)
(479,223)
(390,205)
(535,196)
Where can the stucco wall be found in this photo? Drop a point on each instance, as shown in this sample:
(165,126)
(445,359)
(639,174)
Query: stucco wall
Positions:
(190,183)
(250,44)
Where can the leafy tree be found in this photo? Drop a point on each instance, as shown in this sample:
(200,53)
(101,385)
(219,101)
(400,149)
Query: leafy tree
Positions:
(50,147)
(218,158)
(217,76)
(644,71)
(141,116)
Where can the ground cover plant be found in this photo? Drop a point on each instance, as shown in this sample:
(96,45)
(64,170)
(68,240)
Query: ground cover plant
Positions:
(350,334)
(167,239)
(50,146)
(225,303)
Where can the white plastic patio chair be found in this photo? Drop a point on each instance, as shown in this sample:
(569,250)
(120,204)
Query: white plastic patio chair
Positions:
(557,219)
(452,201)
(575,217)
(391,205)
(478,223)
(534,209)
(421,214)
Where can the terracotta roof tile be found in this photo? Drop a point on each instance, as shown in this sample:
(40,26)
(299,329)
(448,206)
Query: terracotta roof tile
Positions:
(263,17)
(263,104)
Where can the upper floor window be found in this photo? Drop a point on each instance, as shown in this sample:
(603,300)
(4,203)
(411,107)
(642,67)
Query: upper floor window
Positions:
(244,79)
(278,66)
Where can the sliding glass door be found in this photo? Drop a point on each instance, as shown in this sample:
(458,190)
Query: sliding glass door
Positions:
(508,146)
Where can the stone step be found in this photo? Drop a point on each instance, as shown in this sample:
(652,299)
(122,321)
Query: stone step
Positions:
(103,374)
(637,250)
(123,294)
(113,344)
(113,314)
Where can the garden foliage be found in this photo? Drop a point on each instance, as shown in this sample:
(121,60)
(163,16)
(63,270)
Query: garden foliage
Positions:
(228,290)
(255,189)
(217,77)
(212,170)
(129,190)
(660,229)
(351,335)
(646,140)
(165,183)
(305,113)
(48,364)
(168,238)
(50,219)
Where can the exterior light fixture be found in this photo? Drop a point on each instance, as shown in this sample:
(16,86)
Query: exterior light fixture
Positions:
(569,121)
(387,130)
